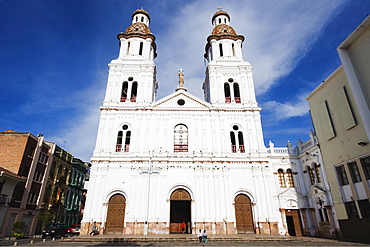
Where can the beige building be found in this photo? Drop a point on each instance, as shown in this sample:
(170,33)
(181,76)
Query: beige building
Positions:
(340,112)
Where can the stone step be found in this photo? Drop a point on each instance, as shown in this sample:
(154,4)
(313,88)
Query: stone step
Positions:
(187,238)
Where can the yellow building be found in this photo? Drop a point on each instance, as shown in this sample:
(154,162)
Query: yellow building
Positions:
(340,113)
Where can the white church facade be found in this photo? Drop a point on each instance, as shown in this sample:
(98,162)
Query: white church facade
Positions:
(181,163)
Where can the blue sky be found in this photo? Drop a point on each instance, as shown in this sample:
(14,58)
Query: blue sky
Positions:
(54,56)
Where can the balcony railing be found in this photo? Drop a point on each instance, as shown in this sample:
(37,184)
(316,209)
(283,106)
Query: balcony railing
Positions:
(241,148)
(227,100)
(233,148)
(133,99)
(237,100)
(123,99)
(180,148)
(120,147)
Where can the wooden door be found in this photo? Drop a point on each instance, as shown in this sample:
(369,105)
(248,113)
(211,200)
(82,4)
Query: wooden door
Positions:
(293,221)
(115,215)
(243,214)
(180,211)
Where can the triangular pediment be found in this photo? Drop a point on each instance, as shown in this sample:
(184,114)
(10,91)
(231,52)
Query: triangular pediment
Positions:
(181,100)
(316,189)
(289,192)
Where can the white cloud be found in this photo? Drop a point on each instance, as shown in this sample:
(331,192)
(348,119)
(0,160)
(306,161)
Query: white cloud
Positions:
(279,111)
(277,34)
(79,134)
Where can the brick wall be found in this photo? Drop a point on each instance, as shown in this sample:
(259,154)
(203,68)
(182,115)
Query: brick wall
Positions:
(12,148)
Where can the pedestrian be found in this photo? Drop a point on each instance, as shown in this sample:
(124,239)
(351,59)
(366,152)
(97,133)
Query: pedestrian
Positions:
(94,229)
(200,236)
(204,237)
(183,227)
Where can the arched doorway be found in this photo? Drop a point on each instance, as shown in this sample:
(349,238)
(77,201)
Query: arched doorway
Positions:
(243,214)
(180,212)
(115,215)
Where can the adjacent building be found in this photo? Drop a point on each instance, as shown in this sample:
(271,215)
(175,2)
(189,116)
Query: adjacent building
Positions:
(340,113)
(76,192)
(25,159)
(57,183)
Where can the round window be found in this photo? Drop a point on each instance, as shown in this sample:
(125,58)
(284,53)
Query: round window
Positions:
(130,78)
(125,127)
(231,79)
(181,102)
(235,127)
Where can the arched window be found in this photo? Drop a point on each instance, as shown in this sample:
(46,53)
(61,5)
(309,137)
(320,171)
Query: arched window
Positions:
(237,140)
(233,142)
(289,178)
(317,171)
(281,178)
(141,49)
(227,93)
(322,210)
(236,93)
(133,92)
(126,133)
(181,138)
(221,51)
(128,48)
(241,142)
(311,175)
(142,19)
(124,91)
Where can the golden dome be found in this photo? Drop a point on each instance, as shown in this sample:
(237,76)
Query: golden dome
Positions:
(139,28)
(220,12)
(141,11)
(223,29)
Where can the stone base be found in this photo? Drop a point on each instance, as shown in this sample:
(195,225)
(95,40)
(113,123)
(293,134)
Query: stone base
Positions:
(267,228)
(154,228)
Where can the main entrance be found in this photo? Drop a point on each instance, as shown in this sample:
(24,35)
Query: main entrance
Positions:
(180,212)
(116,214)
(243,214)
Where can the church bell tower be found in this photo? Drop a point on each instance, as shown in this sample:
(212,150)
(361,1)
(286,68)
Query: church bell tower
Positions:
(132,76)
(229,81)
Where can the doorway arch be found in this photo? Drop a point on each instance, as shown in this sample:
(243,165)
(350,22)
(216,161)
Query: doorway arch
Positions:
(116,214)
(180,212)
(243,214)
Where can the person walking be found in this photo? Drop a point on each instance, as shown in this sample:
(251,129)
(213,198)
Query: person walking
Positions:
(200,236)
(94,229)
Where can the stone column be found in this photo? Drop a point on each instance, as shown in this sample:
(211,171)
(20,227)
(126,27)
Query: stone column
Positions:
(331,221)
(283,217)
(306,230)
(317,229)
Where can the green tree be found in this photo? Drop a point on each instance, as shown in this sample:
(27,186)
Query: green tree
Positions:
(46,217)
